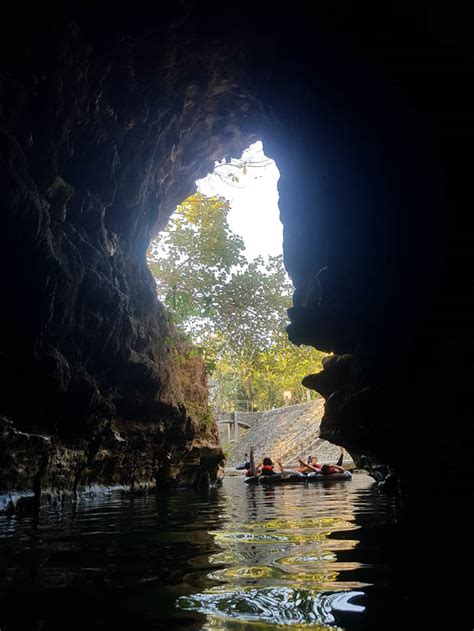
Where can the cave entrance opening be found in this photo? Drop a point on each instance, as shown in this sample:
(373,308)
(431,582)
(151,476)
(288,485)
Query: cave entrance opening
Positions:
(219,270)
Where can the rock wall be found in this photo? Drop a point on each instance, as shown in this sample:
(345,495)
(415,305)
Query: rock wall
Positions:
(108,118)
(286,434)
(378,240)
(103,130)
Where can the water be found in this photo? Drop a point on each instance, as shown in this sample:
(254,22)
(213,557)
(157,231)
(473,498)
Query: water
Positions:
(326,556)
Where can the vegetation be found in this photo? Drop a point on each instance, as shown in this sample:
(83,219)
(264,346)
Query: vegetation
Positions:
(234,310)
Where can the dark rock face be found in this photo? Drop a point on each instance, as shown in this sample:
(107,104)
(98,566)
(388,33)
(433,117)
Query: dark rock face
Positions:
(102,134)
(106,122)
(373,196)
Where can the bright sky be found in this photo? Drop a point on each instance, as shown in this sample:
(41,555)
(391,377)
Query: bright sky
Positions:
(254,211)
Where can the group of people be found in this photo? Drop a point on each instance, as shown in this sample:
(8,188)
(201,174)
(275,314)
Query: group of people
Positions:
(267,467)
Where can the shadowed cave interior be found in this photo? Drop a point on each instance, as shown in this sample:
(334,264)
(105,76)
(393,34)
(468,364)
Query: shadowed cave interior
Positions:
(106,122)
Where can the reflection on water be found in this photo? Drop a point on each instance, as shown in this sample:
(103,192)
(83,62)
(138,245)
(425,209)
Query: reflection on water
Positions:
(276,605)
(281,564)
(232,558)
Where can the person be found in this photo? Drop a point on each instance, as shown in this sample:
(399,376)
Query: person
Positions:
(245,464)
(341,457)
(250,468)
(328,469)
(267,467)
(311,466)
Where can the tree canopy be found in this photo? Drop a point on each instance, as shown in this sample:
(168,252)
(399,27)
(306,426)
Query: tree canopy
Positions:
(234,310)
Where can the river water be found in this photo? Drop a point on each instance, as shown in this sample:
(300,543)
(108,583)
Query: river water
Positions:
(324,556)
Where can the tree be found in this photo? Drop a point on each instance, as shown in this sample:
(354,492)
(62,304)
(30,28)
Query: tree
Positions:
(192,260)
(234,310)
(232,172)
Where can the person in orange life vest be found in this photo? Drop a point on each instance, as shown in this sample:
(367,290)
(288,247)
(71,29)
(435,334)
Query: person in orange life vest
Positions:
(328,469)
(309,467)
(267,467)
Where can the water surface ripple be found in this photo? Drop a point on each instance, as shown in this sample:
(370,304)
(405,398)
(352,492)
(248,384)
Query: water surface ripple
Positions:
(322,556)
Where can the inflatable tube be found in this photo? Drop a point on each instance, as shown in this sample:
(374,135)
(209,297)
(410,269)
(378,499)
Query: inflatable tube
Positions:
(282,478)
(316,477)
(251,479)
(276,478)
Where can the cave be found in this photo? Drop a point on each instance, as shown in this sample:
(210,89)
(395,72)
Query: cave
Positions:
(109,118)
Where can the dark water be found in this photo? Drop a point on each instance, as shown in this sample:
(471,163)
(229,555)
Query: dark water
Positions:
(325,556)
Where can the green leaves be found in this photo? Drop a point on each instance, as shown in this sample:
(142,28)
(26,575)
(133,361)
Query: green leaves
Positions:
(193,258)
(235,311)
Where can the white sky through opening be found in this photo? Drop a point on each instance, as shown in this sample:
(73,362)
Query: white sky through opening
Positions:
(254,213)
